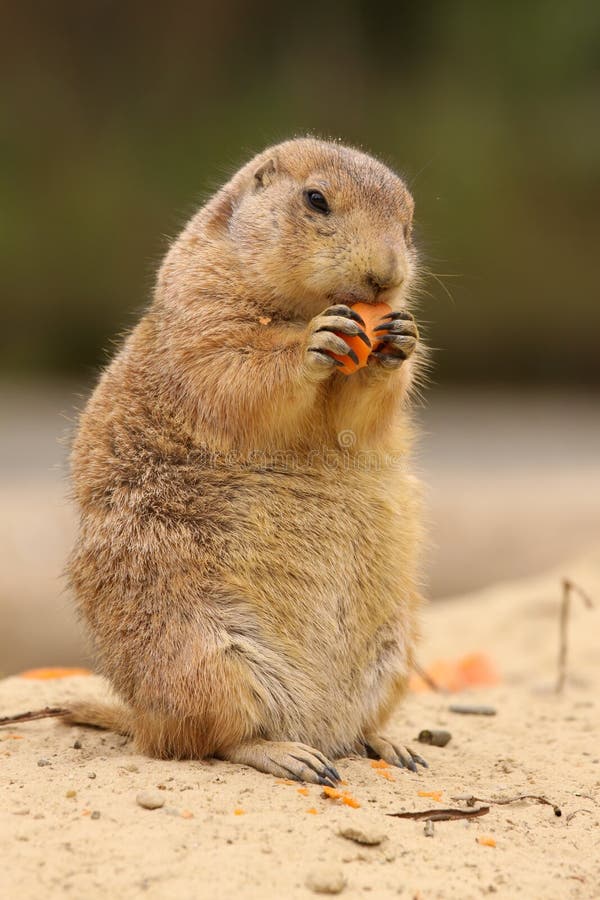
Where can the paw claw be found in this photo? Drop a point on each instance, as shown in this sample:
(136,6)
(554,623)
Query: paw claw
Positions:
(398,334)
(388,360)
(340,309)
(323,358)
(284,759)
(402,314)
(419,760)
(395,754)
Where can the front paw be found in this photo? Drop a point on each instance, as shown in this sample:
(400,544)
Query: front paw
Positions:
(397,336)
(327,351)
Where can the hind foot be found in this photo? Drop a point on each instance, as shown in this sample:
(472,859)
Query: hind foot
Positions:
(285,760)
(395,754)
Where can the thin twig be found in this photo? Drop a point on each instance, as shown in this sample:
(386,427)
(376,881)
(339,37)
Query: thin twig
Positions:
(427,678)
(572,815)
(47,713)
(442,815)
(568,587)
(471,801)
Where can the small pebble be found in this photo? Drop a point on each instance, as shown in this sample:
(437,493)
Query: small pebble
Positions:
(91,774)
(70,794)
(362,833)
(77,745)
(437,738)
(467,710)
(325,880)
(429,829)
(95,814)
(150,800)
(44,762)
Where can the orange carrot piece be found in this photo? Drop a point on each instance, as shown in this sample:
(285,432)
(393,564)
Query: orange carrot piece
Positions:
(486,841)
(472,670)
(478,669)
(435,795)
(49,673)
(239,812)
(371,314)
(313,811)
(332,793)
(303,791)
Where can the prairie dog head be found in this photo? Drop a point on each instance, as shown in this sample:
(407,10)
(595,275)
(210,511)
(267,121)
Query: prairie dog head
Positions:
(312,223)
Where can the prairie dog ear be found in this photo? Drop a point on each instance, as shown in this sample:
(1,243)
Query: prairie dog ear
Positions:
(265,174)
(220,210)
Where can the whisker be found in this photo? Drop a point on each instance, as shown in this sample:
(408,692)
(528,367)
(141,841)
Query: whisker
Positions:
(446,274)
(442,285)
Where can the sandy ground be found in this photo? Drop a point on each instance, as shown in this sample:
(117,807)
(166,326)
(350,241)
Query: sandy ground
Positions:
(70,825)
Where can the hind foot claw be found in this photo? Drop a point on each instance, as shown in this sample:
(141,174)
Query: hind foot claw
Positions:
(394,754)
(285,759)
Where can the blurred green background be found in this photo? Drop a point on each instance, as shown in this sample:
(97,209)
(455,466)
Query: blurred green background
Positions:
(118,118)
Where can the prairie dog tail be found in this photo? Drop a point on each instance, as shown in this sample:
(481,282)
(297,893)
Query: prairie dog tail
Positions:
(108,716)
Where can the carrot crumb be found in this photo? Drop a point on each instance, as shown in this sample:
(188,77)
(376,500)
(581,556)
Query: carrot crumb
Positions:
(387,775)
(332,793)
(345,797)
(434,795)
(486,841)
(345,783)
(239,812)
(15,737)
(379,764)
(303,791)
(187,814)
(264,320)
(284,781)
(86,812)
(312,811)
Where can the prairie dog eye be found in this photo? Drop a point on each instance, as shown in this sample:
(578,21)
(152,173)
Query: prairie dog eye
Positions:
(315,200)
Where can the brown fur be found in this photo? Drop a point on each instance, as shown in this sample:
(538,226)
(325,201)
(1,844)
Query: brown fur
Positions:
(246,559)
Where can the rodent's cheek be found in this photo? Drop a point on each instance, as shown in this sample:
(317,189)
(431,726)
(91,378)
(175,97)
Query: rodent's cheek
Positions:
(325,272)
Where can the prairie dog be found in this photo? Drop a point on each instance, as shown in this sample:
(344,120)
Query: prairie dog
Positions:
(249,532)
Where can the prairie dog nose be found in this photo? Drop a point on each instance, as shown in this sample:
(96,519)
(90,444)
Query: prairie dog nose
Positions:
(387,273)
